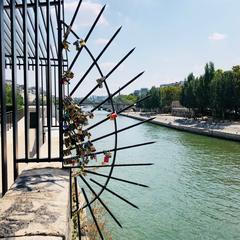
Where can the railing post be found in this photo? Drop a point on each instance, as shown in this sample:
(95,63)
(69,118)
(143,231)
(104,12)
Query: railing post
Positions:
(60,88)
(25,77)
(49,81)
(37,78)
(3,104)
(14,88)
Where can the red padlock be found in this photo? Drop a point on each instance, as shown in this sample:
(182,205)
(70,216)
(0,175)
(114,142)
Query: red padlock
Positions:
(113,116)
(106,159)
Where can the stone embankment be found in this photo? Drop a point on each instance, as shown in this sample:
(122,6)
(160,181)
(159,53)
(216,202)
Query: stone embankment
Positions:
(225,130)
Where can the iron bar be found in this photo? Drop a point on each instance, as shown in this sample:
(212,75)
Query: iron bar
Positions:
(106,77)
(37,78)
(111,150)
(25,77)
(14,89)
(73,19)
(42,90)
(70,30)
(23,160)
(98,57)
(86,38)
(121,165)
(100,200)
(60,88)
(117,179)
(91,211)
(115,194)
(3,105)
(122,110)
(31,5)
(55,93)
(118,91)
(123,129)
(70,192)
(77,204)
(49,81)
(45,25)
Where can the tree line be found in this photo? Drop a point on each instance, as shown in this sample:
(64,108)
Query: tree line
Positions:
(214,93)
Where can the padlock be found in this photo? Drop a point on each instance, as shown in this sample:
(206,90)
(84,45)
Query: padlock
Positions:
(92,148)
(89,135)
(66,152)
(66,141)
(112,116)
(65,45)
(69,74)
(90,115)
(100,81)
(77,44)
(82,43)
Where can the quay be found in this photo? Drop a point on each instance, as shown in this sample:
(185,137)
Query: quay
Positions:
(226,130)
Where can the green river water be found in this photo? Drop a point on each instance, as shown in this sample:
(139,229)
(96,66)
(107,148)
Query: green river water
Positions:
(194,185)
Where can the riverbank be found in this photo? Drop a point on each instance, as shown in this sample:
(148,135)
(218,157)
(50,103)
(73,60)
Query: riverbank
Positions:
(227,130)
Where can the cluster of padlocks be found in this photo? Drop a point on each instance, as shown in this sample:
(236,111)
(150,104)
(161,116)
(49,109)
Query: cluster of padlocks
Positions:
(78,44)
(78,149)
(76,140)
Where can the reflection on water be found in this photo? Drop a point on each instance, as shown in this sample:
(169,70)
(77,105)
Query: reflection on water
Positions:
(195,185)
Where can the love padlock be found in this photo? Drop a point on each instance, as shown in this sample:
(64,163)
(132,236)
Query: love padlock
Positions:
(100,81)
(82,43)
(112,116)
(65,45)
(77,44)
(69,74)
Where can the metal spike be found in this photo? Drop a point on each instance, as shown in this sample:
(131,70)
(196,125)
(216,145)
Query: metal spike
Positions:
(77,204)
(115,194)
(119,90)
(110,150)
(124,109)
(108,75)
(100,200)
(115,165)
(123,129)
(91,211)
(117,179)
(72,21)
(97,58)
(88,35)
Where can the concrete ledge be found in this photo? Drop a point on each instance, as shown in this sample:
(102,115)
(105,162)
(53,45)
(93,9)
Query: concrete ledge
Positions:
(37,206)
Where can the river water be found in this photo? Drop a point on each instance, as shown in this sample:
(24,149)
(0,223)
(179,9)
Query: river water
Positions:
(194,185)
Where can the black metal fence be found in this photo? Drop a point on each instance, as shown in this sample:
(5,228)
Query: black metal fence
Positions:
(31,56)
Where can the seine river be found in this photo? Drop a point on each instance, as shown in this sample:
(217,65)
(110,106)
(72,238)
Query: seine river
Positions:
(194,185)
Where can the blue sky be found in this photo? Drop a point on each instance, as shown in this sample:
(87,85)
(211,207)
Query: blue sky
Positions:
(172,38)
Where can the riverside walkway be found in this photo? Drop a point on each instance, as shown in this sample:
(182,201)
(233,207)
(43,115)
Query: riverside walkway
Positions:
(226,130)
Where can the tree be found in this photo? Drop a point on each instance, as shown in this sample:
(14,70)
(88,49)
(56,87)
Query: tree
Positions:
(168,95)
(19,98)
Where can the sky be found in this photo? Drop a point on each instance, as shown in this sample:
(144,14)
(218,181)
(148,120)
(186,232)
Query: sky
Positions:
(172,38)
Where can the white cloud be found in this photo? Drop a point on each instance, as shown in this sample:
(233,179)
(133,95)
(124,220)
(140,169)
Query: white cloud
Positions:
(217,36)
(87,11)
(101,41)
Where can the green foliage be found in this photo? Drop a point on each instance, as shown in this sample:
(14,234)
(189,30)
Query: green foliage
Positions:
(161,98)
(170,94)
(215,91)
(125,99)
(9,97)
